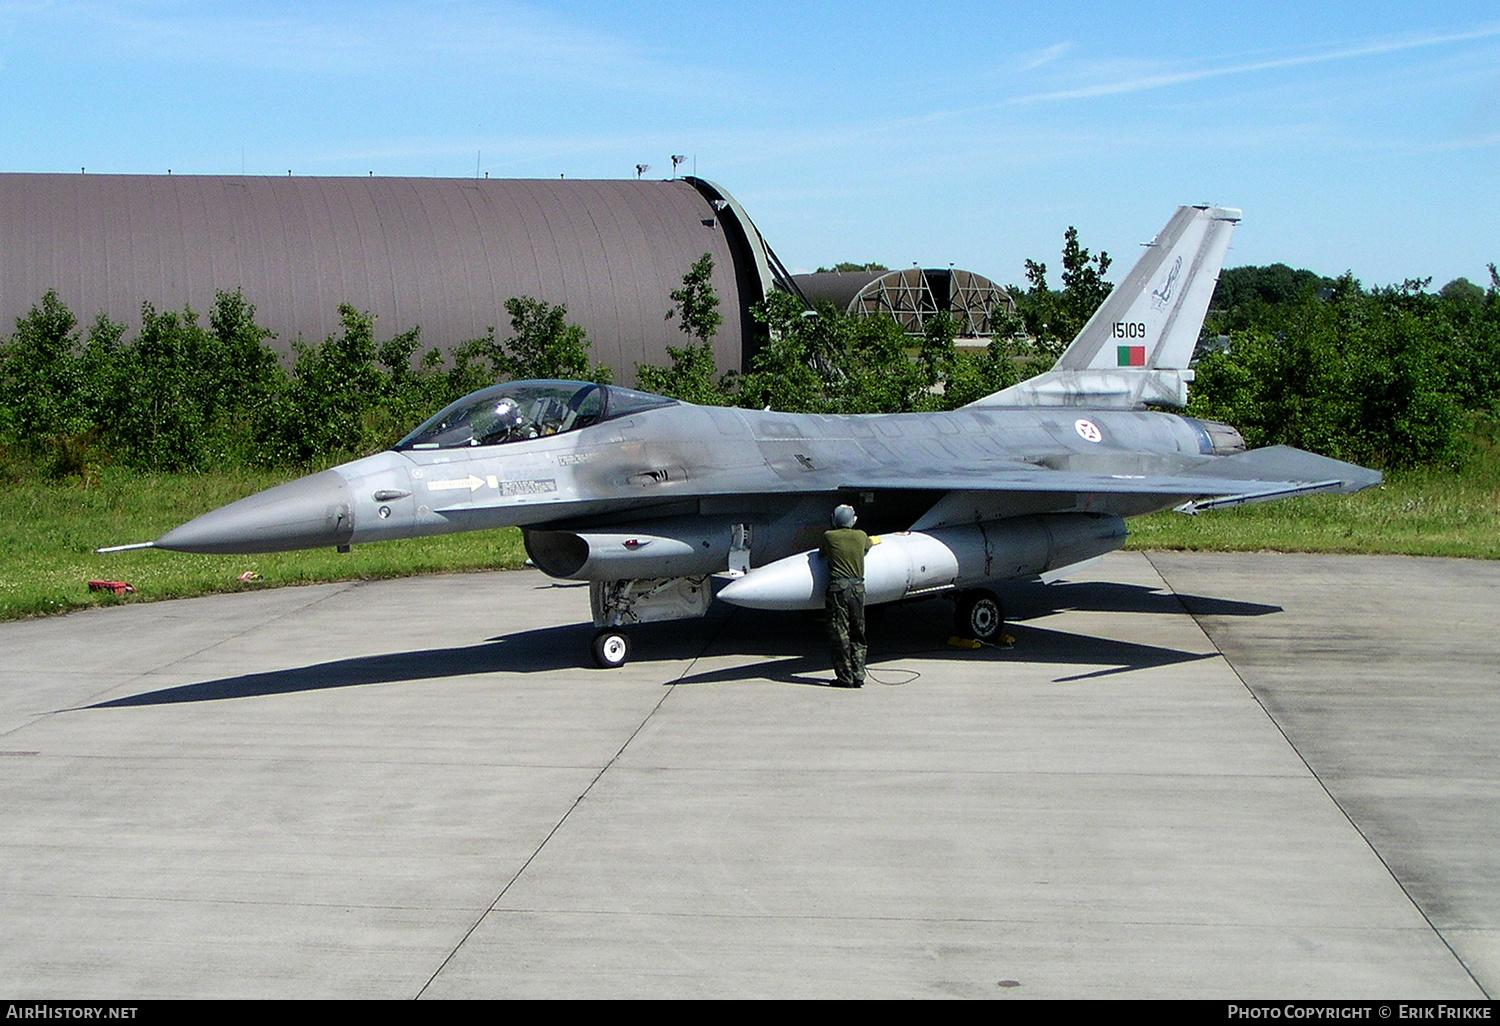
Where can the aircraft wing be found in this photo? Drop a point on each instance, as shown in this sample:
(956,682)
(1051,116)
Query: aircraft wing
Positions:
(1275,472)
(1278,468)
(1084,482)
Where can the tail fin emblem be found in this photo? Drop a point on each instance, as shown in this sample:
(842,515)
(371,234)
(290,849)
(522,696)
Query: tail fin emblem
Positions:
(1162,296)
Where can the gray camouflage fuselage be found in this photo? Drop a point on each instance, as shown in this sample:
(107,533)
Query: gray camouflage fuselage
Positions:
(645,497)
(780,471)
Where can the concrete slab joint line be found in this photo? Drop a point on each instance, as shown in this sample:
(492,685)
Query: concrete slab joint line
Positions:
(1483,962)
(235,630)
(499,897)
(416,787)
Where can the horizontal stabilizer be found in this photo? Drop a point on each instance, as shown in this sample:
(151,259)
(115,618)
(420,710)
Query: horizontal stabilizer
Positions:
(1284,463)
(1098,389)
(1308,472)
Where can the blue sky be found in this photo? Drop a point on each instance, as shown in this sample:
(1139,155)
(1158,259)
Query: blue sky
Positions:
(1359,136)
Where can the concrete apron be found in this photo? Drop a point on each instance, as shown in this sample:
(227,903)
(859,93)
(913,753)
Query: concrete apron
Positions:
(422,788)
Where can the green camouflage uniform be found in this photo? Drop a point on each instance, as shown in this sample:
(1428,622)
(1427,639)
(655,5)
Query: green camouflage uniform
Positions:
(844,550)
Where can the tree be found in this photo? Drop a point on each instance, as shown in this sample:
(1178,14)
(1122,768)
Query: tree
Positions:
(545,345)
(1258,296)
(825,361)
(1084,287)
(693,376)
(976,375)
(869,366)
(245,382)
(1462,290)
(161,417)
(784,372)
(333,384)
(477,363)
(1356,375)
(245,368)
(697,304)
(1053,318)
(41,381)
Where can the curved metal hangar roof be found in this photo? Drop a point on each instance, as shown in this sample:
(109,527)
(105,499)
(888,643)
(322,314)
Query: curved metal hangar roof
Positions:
(912,295)
(443,253)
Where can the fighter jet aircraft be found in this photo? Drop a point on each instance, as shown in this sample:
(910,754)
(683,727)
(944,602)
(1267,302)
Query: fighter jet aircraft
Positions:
(663,506)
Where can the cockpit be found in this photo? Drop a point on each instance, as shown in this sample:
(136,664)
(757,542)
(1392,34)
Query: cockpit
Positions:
(522,410)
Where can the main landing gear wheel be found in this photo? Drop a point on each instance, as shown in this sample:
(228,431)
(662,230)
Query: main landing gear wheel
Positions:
(979,616)
(611,648)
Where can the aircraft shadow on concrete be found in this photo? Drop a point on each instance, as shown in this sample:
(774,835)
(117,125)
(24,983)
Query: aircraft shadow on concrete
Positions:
(551,648)
(792,648)
(1027,600)
(564,647)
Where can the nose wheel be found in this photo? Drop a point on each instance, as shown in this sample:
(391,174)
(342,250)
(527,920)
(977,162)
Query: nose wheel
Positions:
(611,648)
(979,616)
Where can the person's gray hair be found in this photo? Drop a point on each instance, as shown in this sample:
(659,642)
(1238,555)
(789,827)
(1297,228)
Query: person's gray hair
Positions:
(843,516)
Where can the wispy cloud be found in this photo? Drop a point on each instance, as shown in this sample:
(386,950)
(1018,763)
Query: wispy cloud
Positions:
(498,40)
(1140,82)
(1038,58)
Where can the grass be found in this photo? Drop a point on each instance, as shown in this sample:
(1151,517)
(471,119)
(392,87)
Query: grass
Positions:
(1429,511)
(49,531)
(48,534)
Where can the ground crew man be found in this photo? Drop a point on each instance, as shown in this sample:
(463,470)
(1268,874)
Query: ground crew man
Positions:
(843,550)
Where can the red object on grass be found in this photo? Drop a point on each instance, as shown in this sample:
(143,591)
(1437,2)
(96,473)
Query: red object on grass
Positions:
(118,587)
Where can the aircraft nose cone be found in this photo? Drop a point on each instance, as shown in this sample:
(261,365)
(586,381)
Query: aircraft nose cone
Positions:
(305,514)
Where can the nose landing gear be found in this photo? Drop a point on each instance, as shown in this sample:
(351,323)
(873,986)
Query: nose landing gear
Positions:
(611,648)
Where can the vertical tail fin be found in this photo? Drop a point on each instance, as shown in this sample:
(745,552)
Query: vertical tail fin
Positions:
(1136,347)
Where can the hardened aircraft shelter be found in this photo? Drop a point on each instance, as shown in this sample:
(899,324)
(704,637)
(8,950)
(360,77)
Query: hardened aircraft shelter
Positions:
(440,253)
(912,297)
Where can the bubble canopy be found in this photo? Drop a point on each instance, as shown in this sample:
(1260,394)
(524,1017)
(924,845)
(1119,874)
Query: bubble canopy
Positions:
(522,410)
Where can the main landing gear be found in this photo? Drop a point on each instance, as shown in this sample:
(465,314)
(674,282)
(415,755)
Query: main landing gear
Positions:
(979,615)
